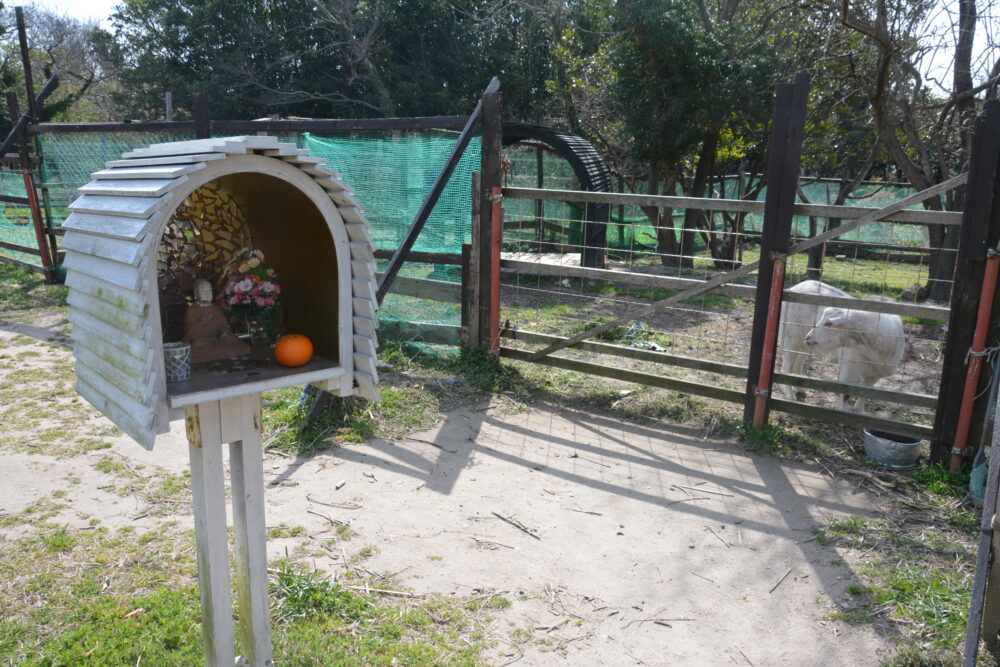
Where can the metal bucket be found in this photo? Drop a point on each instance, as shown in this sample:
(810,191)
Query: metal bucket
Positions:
(890,449)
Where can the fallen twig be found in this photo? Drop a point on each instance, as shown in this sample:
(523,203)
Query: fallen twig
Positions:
(491,542)
(746,658)
(701,577)
(386,591)
(571,509)
(721,539)
(432,444)
(783,577)
(659,621)
(701,490)
(517,524)
(328,518)
(342,506)
(685,500)
(574,455)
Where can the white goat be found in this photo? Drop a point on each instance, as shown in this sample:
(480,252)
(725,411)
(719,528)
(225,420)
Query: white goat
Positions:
(871,345)
(796,321)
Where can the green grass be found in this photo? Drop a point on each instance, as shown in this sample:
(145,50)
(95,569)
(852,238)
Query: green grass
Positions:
(100,597)
(22,289)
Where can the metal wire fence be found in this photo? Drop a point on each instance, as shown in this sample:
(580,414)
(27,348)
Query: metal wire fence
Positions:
(702,346)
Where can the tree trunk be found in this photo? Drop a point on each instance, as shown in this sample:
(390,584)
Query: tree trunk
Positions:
(693,217)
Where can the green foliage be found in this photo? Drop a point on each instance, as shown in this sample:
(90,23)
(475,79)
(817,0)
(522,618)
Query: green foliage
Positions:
(21,289)
(777,440)
(935,478)
(299,594)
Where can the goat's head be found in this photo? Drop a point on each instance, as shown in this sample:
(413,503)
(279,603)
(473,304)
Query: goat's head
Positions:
(828,332)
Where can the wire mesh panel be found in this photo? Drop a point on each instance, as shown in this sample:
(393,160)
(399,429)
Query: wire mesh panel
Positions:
(873,330)
(16,227)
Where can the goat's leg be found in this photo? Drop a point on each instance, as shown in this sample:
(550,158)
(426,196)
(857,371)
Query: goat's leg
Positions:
(792,363)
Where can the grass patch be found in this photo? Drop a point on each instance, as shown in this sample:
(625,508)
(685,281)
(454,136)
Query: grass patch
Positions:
(101,597)
(22,289)
(912,573)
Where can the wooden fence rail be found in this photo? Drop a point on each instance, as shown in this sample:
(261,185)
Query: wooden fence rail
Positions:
(938,313)
(909,216)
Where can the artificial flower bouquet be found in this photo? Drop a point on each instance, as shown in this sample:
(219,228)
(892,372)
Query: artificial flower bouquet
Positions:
(251,294)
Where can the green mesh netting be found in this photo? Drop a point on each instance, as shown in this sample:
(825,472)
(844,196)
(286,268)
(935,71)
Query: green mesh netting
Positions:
(15,220)
(392,174)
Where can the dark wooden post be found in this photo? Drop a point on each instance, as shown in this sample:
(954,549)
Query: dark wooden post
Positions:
(787,128)
(492,145)
(29,187)
(470,275)
(979,235)
(29,83)
(202,126)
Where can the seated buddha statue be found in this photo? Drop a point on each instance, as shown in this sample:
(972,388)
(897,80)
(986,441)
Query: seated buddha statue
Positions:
(208,332)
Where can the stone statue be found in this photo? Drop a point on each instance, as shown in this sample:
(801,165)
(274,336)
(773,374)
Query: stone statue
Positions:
(208,332)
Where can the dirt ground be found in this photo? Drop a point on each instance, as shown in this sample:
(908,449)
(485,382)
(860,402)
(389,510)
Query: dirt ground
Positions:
(617,543)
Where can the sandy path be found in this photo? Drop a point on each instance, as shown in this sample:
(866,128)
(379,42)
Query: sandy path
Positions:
(635,525)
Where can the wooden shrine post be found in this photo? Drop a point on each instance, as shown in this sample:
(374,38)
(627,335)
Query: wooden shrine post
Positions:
(236,422)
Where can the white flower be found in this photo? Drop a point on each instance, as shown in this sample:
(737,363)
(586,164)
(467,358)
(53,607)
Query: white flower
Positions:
(244,285)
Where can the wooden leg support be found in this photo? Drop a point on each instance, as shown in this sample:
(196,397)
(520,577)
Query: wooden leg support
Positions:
(236,421)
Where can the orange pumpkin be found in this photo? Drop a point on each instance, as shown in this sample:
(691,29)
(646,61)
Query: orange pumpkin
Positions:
(293,350)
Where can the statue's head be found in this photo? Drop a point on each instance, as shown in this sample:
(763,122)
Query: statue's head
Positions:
(202,291)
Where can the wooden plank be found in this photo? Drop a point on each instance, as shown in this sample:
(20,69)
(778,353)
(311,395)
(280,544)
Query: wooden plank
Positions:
(144,187)
(875,393)
(363,289)
(784,152)
(914,216)
(363,269)
(472,281)
(127,207)
(13,199)
(338,126)
(984,611)
(95,336)
(180,127)
(978,234)
(622,277)
(360,234)
(208,490)
(367,387)
(365,308)
(123,321)
(23,265)
(852,419)
(895,308)
(424,212)
(365,345)
(124,251)
(532,337)
(155,173)
(170,159)
(205,386)
(133,302)
(447,258)
(490,178)
(142,412)
(246,474)
(365,364)
(698,389)
(116,273)
(364,326)
(361,252)
(424,288)
(139,430)
(114,226)
(136,383)
(110,354)
(17,247)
